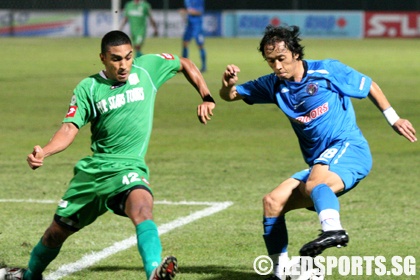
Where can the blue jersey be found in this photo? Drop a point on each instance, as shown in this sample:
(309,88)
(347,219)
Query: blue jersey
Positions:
(319,107)
(194,28)
(195,4)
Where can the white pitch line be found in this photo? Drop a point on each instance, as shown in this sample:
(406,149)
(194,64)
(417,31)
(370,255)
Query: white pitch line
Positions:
(91,259)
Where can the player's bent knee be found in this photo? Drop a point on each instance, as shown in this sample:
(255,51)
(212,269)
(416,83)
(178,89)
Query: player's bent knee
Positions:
(140,216)
(271,205)
(307,188)
(308,191)
(139,205)
(55,235)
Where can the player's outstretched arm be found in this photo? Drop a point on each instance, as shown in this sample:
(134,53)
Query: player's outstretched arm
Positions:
(154,25)
(229,79)
(59,142)
(401,126)
(196,79)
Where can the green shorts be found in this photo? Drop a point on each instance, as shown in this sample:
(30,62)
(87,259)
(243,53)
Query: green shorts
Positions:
(138,38)
(100,183)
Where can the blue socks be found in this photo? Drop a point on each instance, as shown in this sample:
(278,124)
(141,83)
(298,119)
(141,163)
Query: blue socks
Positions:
(275,234)
(185,52)
(203,59)
(324,198)
(276,240)
(327,206)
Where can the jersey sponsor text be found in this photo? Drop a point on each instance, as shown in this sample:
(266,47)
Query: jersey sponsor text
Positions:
(119,100)
(315,113)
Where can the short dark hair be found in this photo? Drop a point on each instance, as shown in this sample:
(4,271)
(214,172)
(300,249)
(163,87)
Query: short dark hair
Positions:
(288,34)
(114,38)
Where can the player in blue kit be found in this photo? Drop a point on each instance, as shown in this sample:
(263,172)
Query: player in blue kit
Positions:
(315,97)
(193,12)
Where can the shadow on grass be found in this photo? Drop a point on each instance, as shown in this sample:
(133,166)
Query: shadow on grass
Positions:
(205,272)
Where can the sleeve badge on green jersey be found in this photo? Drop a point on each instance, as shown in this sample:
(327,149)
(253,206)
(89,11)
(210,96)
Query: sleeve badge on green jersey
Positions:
(73,100)
(71,112)
(133,79)
(167,56)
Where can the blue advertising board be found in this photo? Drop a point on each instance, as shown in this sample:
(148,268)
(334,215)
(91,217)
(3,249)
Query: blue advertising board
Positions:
(212,24)
(330,24)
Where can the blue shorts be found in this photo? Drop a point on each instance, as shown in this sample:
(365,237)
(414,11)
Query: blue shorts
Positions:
(349,159)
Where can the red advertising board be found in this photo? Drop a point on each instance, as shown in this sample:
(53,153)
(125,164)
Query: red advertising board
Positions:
(392,24)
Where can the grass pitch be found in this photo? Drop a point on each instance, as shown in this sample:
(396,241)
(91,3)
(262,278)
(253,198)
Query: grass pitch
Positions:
(243,153)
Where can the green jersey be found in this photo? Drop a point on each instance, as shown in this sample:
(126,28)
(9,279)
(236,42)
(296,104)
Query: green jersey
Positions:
(137,14)
(121,114)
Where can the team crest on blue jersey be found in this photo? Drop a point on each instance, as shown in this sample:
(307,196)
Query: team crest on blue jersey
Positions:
(312,89)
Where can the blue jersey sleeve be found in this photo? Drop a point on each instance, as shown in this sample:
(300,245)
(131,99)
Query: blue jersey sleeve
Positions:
(261,90)
(347,81)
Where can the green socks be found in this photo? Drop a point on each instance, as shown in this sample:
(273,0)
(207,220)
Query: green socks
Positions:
(41,256)
(148,243)
(149,246)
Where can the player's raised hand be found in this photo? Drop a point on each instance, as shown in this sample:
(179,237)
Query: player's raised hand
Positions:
(230,77)
(36,158)
(406,129)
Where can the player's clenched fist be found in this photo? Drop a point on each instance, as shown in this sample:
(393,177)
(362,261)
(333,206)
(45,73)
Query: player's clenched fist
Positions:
(36,158)
(230,75)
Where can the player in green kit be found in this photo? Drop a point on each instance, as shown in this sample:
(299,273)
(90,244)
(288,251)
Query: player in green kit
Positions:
(118,102)
(136,13)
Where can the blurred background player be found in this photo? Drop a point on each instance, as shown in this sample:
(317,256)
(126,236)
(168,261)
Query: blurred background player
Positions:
(193,14)
(136,13)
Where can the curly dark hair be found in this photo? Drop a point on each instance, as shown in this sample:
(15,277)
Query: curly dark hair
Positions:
(288,34)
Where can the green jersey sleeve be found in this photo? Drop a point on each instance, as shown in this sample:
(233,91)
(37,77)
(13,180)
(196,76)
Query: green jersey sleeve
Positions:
(160,67)
(81,110)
